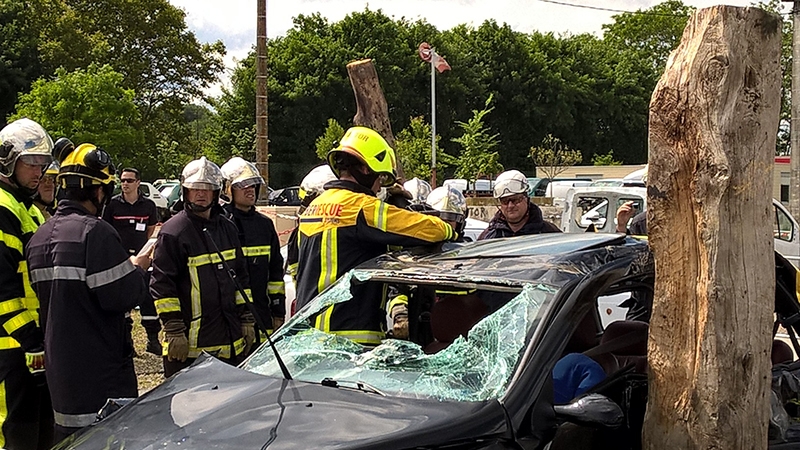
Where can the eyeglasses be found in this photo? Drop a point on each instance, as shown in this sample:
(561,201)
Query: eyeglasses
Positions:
(516,200)
(128,180)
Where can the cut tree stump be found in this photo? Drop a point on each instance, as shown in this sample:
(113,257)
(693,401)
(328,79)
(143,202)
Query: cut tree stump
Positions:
(713,124)
(371,108)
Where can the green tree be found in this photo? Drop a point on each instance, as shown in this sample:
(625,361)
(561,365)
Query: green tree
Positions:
(89,106)
(605,160)
(413,147)
(553,157)
(329,139)
(476,157)
(19,55)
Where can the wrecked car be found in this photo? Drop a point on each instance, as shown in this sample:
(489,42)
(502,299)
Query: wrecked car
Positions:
(488,322)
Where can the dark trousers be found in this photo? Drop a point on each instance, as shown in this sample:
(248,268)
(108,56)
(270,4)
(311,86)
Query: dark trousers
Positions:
(171,367)
(28,424)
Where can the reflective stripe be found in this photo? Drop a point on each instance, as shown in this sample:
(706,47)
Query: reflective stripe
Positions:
(328,259)
(361,336)
(149,318)
(9,306)
(255,251)
(444,292)
(8,342)
(276,287)
(323,322)
(381,217)
(58,273)
(208,258)
(167,305)
(240,300)
(18,321)
(109,276)
(220,351)
(3,412)
(11,241)
(74,420)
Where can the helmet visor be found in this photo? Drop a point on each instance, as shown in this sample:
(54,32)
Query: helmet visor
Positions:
(244,184)
(508,187)
(36,159)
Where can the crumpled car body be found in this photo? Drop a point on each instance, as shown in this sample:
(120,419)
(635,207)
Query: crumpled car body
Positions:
(489,388)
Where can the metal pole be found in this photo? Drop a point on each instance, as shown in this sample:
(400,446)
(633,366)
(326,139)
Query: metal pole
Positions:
(262,141)
(433,119)
(794,189)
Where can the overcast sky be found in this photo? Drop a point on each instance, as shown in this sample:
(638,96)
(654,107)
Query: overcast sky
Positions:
(234,21)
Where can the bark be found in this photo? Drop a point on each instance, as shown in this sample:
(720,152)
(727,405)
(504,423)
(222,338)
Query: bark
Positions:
(713,122)
(371,108)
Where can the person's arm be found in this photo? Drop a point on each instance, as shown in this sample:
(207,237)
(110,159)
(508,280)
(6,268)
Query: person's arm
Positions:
(166,269)
(152,219)
(394,226)
(624,214)
(15,318)
(276,289)
(117,284)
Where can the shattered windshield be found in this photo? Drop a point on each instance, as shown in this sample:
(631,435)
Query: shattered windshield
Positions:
(473,369)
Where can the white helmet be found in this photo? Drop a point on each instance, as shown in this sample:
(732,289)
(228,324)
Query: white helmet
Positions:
(240,174)
(450,205)
(510,182)
(314,182)
(202,174)
(419,190)
(27,139)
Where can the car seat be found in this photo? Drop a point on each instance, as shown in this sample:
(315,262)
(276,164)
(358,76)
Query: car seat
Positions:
(453,316)
(623,343)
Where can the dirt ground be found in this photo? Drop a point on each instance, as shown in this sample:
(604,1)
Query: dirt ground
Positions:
(149,367)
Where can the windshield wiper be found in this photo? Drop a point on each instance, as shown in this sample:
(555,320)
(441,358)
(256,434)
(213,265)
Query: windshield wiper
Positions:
(360,385)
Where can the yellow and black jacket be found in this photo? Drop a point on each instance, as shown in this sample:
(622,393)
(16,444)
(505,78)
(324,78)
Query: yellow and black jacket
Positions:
(342,228)
(19,307)
(262,250)
(189,282)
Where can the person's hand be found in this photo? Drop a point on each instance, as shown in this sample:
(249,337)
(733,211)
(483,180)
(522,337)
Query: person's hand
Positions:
(248,332)
(398,189)
(175,340)
(142,261)
(35,360)
(624,214)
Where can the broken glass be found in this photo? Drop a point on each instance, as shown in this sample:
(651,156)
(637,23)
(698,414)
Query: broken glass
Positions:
(473,369)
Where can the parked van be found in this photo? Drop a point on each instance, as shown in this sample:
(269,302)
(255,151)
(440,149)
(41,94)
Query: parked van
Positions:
(481,188)
(537,187)
(558,189)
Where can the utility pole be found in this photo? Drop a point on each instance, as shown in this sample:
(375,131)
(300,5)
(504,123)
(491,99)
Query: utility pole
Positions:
(794,129)
(262,142)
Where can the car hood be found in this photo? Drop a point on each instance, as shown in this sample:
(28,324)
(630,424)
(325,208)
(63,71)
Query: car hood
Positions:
(214,405)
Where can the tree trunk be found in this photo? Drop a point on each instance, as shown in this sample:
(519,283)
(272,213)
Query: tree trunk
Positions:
(371,108)
(713,123)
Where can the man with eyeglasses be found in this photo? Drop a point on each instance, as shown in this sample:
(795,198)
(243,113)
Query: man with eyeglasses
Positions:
(134,216)
(517,215)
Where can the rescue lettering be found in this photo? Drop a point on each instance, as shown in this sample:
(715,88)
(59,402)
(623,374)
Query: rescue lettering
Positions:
(325,209)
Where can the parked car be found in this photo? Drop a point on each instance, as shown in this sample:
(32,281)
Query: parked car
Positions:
(617,182)
(289,196)
(537,187)
(478,188)
(150,191)
(172,192)
(475,373)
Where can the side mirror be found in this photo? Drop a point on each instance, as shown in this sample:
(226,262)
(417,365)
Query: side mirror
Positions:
(591,410)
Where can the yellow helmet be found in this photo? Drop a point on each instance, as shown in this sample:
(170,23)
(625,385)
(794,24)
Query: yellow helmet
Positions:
(369,147)
(53,168)
(87,165)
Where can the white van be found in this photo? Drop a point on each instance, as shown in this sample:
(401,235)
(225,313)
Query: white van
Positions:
(558,189)
(481,188)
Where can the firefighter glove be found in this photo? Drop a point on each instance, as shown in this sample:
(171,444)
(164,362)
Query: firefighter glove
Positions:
(35,360)
(248,331)
(175,341)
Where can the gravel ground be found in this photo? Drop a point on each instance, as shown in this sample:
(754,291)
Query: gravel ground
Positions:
(149,367)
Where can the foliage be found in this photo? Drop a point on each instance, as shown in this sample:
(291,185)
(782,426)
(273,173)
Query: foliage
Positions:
(605,160)
(329,139)
(88,106)
(476,159)
(19,56)
(553,157)
(413,147)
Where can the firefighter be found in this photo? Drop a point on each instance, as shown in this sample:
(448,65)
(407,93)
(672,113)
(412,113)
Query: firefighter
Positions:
(516,215)
(260,244)
(86,283)
(419,191)
(195,297)
(45,198)
(26,419)
(347,225)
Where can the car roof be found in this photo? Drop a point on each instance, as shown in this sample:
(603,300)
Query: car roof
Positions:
(553,258)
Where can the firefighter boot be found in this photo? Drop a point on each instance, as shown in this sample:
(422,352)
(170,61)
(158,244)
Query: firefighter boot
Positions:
(153,345)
